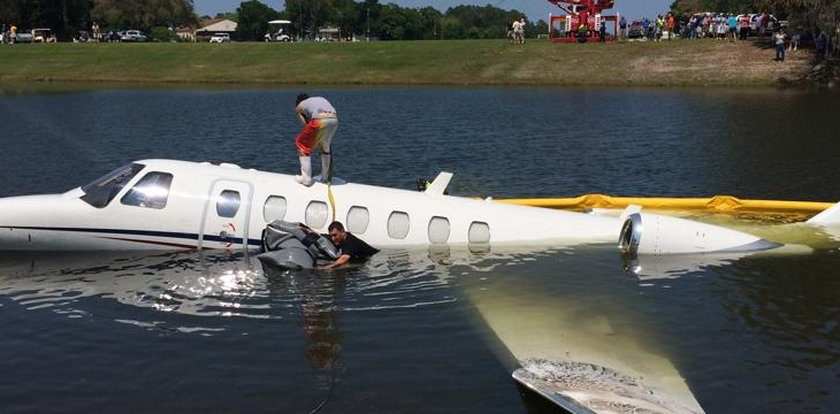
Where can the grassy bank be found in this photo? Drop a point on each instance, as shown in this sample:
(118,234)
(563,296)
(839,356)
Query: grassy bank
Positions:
(466,62)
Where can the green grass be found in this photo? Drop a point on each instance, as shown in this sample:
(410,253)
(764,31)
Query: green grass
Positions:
(456,62)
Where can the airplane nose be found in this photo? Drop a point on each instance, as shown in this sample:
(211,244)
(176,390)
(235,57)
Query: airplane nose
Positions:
(22,217)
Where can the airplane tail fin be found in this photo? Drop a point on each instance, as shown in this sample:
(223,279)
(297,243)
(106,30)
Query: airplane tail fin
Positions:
(828,216)
(438,186)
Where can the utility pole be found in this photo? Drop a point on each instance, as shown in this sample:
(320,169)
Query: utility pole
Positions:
(300,27)
(367,32)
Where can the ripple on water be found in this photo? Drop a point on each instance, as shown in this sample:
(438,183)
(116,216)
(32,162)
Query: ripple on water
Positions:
(221,285)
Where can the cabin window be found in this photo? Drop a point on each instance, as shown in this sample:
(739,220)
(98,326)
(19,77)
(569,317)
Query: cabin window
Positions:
(274,208)
(398,225)
(152,191)
(100,192)
(316,214)
(357,220)
(227,204)
(479,232)
(438,230)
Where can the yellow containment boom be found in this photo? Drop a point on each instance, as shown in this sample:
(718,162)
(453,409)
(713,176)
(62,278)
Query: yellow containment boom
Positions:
(718,203)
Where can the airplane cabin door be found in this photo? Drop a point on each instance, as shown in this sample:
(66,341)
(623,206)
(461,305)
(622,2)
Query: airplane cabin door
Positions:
(226,216)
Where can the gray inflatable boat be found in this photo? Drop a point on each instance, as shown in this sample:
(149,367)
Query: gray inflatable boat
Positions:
(287,245)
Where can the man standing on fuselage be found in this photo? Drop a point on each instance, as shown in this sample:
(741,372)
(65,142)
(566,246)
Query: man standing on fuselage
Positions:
(320,121)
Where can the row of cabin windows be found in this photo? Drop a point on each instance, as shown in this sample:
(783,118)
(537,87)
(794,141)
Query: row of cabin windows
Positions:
(152,191)
(358,219)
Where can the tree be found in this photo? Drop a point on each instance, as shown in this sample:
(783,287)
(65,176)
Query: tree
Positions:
(431,20)
(817,16)
(142,14)
(540,27)
(253,20)
(65,17)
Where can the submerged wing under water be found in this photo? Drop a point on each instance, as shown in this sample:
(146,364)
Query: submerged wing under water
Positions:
(584,358)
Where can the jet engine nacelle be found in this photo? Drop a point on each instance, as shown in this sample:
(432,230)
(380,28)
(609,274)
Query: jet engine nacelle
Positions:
(646,233)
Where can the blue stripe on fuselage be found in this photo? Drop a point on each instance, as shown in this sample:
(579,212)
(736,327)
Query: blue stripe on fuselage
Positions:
(148,233)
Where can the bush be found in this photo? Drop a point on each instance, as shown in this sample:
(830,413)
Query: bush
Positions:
(162,34)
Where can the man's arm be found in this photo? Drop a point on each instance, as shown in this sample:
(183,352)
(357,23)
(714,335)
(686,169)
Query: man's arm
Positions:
(344,258)
(300,116)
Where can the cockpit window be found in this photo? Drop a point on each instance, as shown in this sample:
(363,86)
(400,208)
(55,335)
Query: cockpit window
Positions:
(100,192)
(151,191)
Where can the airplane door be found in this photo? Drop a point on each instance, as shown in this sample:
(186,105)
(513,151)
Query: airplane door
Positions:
(226,216)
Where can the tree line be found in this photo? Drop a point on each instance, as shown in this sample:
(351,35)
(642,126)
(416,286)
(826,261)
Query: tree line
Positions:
(68,17)
(365,18)
(382,21)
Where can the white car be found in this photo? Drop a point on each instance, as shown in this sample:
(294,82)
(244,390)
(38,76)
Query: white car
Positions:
(220,38)
(133,36)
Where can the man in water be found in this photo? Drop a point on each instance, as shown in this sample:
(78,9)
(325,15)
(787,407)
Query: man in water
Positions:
(352,248)
(320,121)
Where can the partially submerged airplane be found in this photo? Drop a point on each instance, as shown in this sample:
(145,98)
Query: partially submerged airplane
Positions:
(176,205)
(159,204)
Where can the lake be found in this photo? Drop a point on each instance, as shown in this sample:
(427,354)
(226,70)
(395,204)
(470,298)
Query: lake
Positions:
(423,330)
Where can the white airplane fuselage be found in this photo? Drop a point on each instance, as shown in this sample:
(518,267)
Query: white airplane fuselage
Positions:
(166,205)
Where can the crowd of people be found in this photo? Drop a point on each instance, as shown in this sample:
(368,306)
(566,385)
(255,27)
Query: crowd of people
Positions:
(650,29)
(722,26)
(729,25)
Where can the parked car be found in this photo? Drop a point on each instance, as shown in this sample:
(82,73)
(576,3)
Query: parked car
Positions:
(220,38)
(23,37)
(133,36)
(635,30)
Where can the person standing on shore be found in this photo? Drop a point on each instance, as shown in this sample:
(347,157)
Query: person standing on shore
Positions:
(779,40)
(622,26)
(794,42)
(320,122)
(519,31)
(602,32)
(745,27)
(733,27)
(821,47)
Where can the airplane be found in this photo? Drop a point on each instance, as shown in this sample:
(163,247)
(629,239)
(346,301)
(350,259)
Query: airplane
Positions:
(159,204)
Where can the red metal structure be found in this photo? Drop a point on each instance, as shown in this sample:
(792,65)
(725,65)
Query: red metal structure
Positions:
(577,13)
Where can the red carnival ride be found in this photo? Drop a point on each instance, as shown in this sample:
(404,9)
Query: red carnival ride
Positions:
(578,12)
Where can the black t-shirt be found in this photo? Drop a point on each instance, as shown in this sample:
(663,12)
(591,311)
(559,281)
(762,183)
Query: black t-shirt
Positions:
(356,248)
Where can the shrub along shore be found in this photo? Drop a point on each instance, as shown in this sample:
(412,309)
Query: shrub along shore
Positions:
(681,63)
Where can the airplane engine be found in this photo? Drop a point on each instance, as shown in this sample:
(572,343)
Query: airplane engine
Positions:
(645,233)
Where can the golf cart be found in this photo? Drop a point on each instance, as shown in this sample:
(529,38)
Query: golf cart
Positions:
(280,35)
(43,35)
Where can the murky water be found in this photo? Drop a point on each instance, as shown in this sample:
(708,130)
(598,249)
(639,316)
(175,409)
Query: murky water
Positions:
(429,331)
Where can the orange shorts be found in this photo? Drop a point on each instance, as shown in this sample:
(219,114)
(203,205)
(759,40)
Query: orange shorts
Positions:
(316,133)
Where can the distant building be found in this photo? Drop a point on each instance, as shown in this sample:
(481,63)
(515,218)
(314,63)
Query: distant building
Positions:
(207,27)
(186,33)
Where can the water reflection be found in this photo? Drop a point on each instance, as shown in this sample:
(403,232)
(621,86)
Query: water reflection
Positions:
(793,310)
(554,310)
(319,296)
